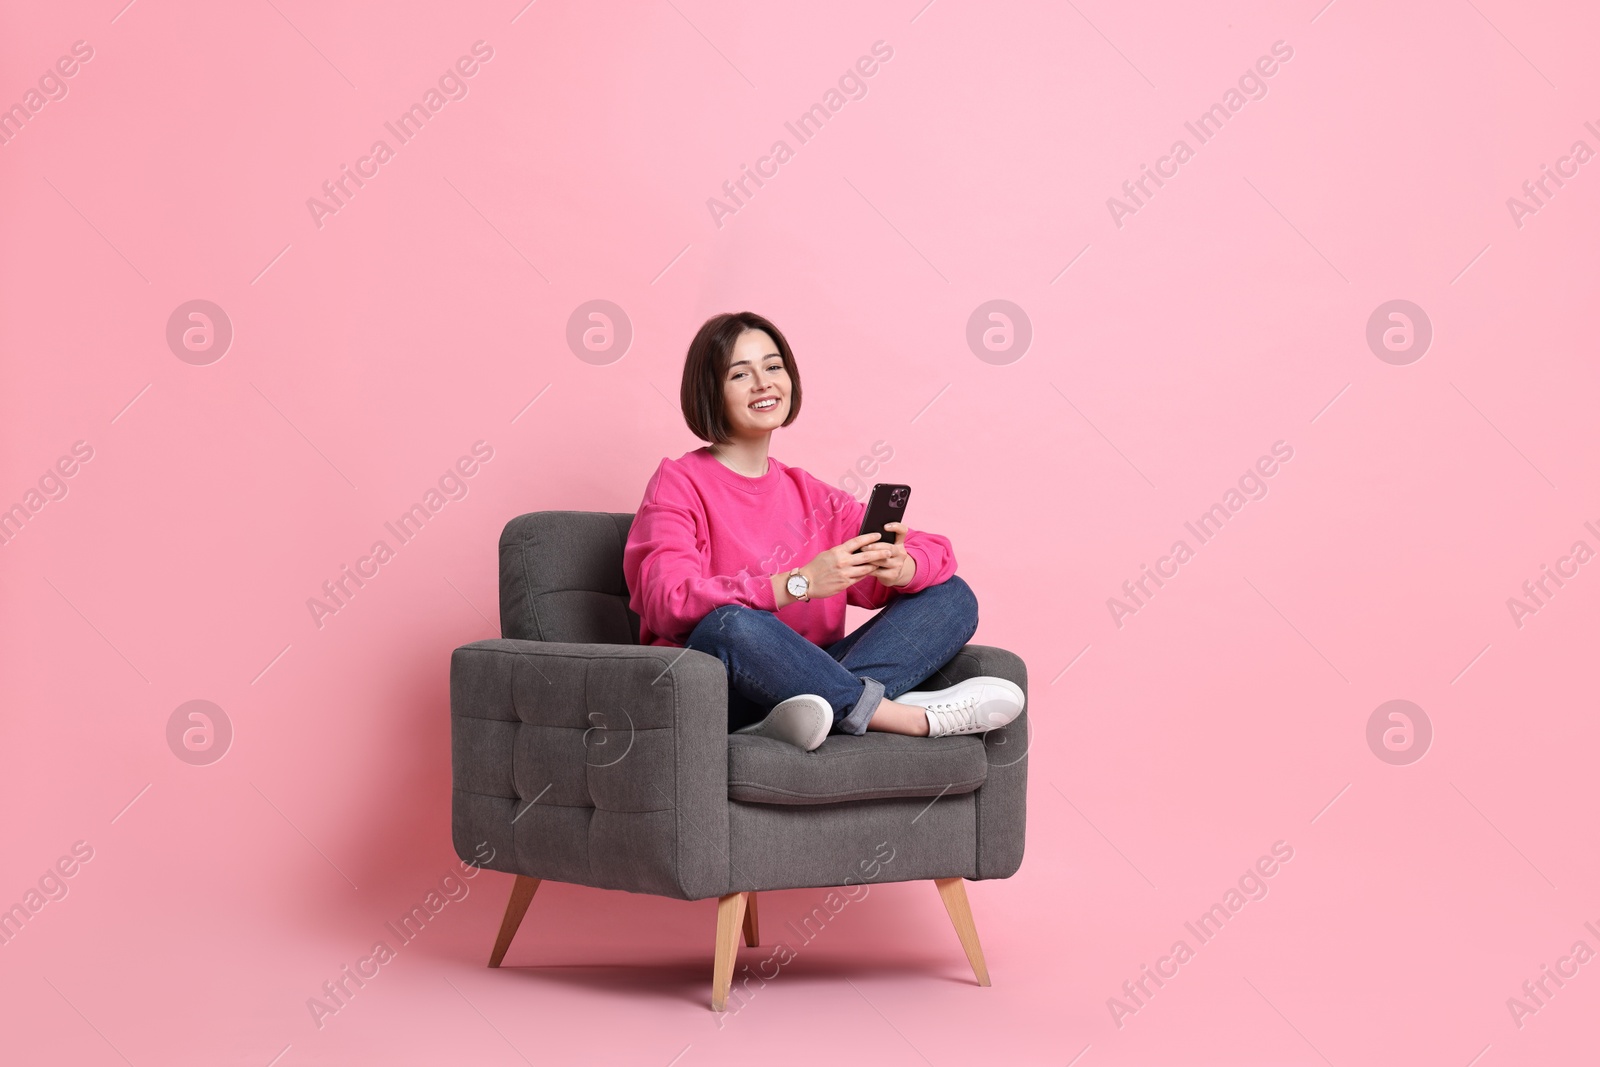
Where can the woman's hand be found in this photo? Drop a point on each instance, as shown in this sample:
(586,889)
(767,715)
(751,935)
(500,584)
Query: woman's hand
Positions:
(838,568)
(899,567)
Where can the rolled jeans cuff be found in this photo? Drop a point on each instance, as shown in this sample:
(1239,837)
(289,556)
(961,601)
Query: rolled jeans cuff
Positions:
(856,721)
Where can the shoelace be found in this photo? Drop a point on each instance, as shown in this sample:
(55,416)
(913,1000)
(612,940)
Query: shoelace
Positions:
(954,705)
(956,716)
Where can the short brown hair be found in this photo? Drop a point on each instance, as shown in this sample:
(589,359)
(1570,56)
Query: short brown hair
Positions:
(705,367)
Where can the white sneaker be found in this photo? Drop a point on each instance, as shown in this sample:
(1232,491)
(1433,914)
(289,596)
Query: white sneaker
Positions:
(802,721)
(974,706)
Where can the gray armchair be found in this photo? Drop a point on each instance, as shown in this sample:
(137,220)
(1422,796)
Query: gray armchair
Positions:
(584,757)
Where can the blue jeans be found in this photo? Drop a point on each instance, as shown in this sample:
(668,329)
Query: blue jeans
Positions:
(906,642)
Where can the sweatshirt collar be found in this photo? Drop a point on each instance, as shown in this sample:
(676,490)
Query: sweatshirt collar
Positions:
(764,484)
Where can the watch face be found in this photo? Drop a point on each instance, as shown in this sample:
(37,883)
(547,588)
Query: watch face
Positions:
(797,585)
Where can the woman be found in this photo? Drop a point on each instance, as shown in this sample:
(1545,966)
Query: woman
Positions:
(737,555)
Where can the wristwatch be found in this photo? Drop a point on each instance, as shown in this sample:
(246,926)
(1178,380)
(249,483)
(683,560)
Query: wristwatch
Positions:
(798,585)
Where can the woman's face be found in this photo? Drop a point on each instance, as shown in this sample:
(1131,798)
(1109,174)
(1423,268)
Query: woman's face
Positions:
(756,376)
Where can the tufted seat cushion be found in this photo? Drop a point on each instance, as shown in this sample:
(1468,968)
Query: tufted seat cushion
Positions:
(869,767)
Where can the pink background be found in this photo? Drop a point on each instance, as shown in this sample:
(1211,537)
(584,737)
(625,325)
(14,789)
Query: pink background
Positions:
(1227,314)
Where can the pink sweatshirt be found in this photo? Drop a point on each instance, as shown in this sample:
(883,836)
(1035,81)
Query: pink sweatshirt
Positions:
(706,535)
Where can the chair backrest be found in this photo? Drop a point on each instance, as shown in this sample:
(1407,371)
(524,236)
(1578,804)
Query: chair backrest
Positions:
(561,578)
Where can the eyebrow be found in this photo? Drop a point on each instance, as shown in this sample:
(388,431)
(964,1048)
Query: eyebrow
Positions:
(746,362)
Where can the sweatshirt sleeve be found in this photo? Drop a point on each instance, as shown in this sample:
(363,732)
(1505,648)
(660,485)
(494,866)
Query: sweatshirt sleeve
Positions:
(934,555)
(665,564)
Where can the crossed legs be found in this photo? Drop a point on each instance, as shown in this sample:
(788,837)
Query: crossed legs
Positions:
(904,644)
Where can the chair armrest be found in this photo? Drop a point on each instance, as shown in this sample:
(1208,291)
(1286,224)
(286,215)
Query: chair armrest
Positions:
(602,765)
(1002,800)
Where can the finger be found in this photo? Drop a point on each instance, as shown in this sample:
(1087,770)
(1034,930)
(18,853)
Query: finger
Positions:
(863,539)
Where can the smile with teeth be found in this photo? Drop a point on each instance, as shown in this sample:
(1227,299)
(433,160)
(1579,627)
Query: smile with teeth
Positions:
(765,404)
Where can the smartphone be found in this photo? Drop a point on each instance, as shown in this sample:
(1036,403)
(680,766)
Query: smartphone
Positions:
(888,504)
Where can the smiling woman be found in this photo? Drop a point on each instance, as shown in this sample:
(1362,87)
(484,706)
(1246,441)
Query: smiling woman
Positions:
(699,554)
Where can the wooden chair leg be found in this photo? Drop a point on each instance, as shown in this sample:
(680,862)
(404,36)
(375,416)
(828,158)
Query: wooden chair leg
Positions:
(752,926)
(522,891)
(730,915)
(954,893)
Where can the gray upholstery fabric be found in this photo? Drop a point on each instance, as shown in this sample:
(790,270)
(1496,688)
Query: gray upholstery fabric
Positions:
(561,578)
(1002,803)
(583,757)
(604,765)
(790,847)
(847,767)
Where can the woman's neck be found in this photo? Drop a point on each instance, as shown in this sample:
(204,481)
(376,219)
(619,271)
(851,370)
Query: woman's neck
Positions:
(744,456)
